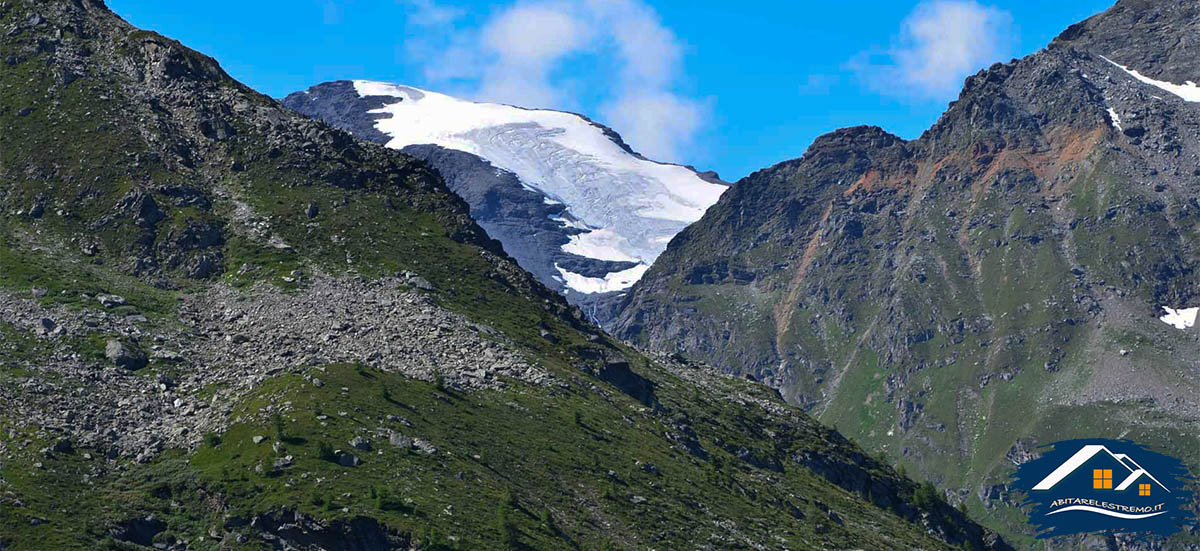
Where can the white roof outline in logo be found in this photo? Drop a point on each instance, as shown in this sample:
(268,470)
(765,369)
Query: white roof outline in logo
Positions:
(1084,455)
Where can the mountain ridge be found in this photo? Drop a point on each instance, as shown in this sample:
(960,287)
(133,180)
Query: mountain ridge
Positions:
(227,326)
(1016,256)
(617,207)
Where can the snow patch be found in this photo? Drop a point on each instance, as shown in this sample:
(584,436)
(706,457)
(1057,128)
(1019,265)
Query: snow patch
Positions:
(1116,119)
(1182,318)
(612,281)
(1189,91)
(367,88)
(600,244)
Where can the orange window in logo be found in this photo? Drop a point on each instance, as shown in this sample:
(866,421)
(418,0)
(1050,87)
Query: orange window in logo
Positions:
(1102,479)
(1143,489)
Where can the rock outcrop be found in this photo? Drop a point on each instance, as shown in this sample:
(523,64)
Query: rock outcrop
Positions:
(999,279)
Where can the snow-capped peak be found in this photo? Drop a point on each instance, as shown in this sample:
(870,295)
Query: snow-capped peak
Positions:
(627,207)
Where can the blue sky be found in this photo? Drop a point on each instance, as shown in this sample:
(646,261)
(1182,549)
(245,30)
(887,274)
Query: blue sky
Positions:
(728,86)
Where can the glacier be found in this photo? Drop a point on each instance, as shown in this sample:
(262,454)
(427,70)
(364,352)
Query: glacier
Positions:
(620,206)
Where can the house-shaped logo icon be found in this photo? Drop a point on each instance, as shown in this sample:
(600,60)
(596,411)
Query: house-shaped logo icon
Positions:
(1103,485)
(1098,460)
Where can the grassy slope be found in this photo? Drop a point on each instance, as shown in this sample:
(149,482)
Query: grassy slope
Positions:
(860,305)
(515,464)
(518,451)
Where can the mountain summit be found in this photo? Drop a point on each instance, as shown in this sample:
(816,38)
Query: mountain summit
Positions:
(568,199)
(999,282)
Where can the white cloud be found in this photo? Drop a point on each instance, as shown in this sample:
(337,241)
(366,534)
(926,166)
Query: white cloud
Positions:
(658,125)
(940,43)
(529,54)
(652,119)
(650,52)
(524,43)
(534,35)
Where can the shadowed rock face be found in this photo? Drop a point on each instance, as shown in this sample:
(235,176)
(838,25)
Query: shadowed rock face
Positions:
(339,104)
(514,215)
(297,531)
(533,223)
(510,212)
(999,278)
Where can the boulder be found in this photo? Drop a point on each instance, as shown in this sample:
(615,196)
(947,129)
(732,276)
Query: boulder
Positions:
(124,354)
(109,301)
(421,283)
(399,440)
(46,326)
(424,446)
(63,445)
(347,459)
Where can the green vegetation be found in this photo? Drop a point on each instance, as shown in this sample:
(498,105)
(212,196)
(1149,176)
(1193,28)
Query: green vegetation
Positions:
(551,465)
(984,305)
(134,198)
(925,496)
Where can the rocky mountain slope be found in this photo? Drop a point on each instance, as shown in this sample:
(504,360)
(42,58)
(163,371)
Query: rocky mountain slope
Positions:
(227,326)
(568,199)
(1026,271)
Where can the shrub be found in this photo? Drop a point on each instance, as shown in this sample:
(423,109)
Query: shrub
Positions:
(386,501)
(548,521)
(925,496)
(280,429)
(433,540)
(325,451)
(506,527)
